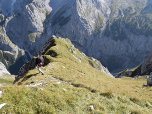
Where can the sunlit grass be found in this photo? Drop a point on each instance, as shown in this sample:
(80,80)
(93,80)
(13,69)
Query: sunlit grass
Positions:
(80,86)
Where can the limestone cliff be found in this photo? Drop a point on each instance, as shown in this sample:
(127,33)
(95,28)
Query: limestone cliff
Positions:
(3,69)
(118,33)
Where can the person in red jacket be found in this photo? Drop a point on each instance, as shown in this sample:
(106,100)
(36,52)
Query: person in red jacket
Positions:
(39,62)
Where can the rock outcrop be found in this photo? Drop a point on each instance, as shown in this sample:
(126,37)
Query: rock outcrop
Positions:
(149,80)
(146,66)
(144,69)
(3,69)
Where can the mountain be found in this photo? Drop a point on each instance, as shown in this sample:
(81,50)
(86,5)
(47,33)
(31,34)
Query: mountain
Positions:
(70,84)
(144,69)
(118,33)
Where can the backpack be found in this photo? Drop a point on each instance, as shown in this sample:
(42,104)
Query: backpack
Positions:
(41,61)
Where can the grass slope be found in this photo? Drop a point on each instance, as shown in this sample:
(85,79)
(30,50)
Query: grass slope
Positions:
(70,85)
(6,79)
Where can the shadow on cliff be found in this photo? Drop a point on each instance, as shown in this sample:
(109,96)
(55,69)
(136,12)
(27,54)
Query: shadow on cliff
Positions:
(14,69)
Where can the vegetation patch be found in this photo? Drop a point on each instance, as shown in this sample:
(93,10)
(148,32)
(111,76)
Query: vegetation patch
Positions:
(98,23)
(31,37)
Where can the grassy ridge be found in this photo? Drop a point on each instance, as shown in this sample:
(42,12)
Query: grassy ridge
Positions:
(71,85)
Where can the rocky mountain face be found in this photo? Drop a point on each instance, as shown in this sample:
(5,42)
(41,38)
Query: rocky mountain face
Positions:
(3,69)
(144,69)
(148,7)
(118,33)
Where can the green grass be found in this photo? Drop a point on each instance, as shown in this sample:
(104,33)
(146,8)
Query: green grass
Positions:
(31,37)
(80,86)
(52,98)
(98,23)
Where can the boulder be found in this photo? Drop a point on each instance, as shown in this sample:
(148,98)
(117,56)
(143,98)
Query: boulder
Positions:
(149,80)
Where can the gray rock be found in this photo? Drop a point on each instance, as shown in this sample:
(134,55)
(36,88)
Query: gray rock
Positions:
(149,81)
(124,73)
(3,69)
(150,75)
(146,66)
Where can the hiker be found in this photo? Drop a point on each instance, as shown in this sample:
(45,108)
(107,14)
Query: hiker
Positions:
(39,63)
